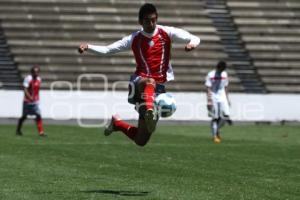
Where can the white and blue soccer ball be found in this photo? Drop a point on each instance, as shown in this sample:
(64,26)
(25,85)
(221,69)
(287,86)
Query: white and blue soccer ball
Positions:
(165,104)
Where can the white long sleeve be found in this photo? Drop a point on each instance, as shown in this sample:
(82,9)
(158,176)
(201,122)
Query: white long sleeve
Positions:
(175,34)
(180,35)
(118,46)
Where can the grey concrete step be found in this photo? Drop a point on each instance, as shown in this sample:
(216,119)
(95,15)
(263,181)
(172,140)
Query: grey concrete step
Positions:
(271,39)
(286,73)
(283,88)
(276,56)
(263,22)
(175,86)
(290,64)
(263,4)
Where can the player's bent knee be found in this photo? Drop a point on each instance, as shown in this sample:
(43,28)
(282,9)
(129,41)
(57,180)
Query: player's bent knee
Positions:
(38,117)
(22,118)
(141,143)
(150,81)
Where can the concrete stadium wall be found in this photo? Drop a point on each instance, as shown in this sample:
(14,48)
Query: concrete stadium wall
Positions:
(65,105)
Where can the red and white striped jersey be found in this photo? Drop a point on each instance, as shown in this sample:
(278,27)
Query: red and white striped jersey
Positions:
(152,52)
(33,87)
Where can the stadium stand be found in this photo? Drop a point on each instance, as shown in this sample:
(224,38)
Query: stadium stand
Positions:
(9,74)
(271,31)
(48,32)
(259,39)
(234,46)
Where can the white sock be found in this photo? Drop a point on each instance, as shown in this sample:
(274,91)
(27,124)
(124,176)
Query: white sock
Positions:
(214,128)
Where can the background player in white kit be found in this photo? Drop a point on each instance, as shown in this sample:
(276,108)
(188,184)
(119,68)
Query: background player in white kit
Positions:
(217,99)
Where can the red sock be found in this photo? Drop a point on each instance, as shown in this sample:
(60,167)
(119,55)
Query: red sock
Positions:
(126,128)
(149,95)
(39,124)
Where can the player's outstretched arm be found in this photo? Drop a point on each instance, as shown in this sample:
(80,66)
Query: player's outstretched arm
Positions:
(180,35)
(193,43)
(189,47)
(82,47)
(118,46)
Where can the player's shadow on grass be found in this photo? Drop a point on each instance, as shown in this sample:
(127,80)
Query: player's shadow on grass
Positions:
(119,192)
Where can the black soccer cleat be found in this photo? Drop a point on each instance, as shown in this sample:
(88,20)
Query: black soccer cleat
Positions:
(230,122)
(19,133)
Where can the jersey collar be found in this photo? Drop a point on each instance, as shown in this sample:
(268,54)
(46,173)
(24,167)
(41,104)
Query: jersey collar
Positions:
(150,35)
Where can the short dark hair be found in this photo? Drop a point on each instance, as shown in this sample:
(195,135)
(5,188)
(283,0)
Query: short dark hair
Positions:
(221,65)
(34,67)
(146,9)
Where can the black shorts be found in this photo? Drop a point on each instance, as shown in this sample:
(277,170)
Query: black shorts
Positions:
(31,109)
(135,97)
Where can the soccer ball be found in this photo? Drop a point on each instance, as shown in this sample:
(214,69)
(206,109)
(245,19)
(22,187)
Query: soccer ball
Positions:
(165,104)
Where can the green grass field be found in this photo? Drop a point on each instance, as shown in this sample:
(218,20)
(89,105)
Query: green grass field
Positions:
(180,162)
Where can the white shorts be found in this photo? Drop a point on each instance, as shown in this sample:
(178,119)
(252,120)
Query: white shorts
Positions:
(219,110)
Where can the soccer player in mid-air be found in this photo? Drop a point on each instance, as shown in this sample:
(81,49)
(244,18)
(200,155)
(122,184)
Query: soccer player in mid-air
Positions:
(31,86)
(151,47)
(217,99)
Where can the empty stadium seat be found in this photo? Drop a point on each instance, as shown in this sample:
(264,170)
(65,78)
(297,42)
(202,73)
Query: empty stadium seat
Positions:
(271,31)
(48,33)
